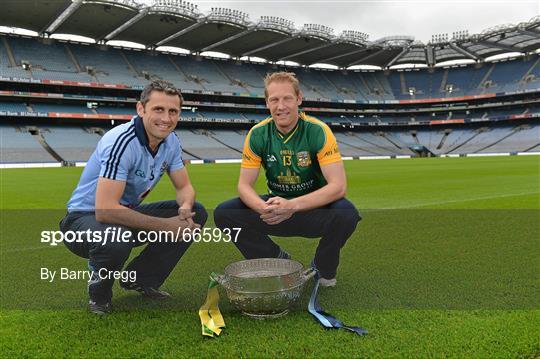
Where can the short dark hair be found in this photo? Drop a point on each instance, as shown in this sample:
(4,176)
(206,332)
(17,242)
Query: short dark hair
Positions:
(160,86)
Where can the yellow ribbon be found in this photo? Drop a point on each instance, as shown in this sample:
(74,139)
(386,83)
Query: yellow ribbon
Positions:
(212,321)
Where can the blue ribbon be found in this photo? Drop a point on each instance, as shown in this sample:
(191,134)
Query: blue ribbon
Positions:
(327,320)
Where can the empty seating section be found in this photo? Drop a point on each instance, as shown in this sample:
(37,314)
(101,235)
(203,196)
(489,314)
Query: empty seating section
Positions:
(233,139)
(205,147)
(402,138)
(505,75)
(77,143)
(429,139)
(481,140)
(19,146)
(51,57)
(460,81)
(6,69)
(454,138)
(378,85)
(222,115)
(381,143)
(345,85)
(206,74)
(465,80)
(160,66)
(13,106)
(53,60)
(350,145)
(71,143)
(40,107)
(505,112)
(476,78)
(394,79)
(245,73)
(110,110)
(334,119)
(435,84)
(314,85)
(521,139)
(256,116)
(420,81)
(108,64)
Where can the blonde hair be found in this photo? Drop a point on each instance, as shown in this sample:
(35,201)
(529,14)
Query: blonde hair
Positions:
(282,76)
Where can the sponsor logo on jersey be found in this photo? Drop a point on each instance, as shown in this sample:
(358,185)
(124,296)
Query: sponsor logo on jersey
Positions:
(288,178)
(163,168)
(303,159)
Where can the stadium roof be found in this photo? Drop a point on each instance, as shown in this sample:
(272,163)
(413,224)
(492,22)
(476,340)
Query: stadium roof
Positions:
(178,23)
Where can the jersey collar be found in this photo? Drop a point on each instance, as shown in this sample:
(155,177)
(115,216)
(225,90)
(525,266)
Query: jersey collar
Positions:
(287,137)
(140,132)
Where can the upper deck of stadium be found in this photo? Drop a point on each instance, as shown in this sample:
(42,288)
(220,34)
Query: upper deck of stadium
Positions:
(177,23)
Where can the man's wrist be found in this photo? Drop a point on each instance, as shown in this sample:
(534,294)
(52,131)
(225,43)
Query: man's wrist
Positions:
(185,206)
(296,205)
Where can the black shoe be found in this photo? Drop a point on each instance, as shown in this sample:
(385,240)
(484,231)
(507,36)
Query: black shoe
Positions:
(99,309)
(149,292)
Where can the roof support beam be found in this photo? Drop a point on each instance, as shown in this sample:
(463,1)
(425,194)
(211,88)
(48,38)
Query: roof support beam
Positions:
(531,30)
(464,52)
(63,16)
(279,42)
(532,33)
(306,51)
(362,59)
(127,24)
(224,41)
(180,33)
(397,57)
(429,52)
(343,55)
(500,46)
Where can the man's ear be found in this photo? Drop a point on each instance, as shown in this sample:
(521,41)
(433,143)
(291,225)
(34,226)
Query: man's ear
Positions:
(140,109)
(299,98)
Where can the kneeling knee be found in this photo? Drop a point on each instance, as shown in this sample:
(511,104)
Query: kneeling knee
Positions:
(222,217)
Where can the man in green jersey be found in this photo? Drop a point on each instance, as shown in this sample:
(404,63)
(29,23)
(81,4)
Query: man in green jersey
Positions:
(306,183)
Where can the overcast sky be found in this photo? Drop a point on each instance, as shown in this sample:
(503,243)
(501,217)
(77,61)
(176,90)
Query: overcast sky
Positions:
(420,18)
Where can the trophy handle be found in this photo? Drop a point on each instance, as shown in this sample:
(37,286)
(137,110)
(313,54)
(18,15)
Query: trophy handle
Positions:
(308,274)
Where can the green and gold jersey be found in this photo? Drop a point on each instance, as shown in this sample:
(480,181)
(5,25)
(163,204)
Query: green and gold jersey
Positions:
(293,161)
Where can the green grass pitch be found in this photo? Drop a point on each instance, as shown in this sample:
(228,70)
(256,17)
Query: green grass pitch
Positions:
(445,263)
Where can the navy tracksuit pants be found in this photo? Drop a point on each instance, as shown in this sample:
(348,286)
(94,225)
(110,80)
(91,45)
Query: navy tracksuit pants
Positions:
(152,266)
(334,223)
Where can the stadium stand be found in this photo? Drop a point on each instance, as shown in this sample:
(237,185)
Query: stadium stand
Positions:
(75,62)
(201,145)
(71,143)
(18,145)
(368,109)
(232,139)
(13,106)
(41,107)
(107,64)
(243,74)
(206,74)
(520,139)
